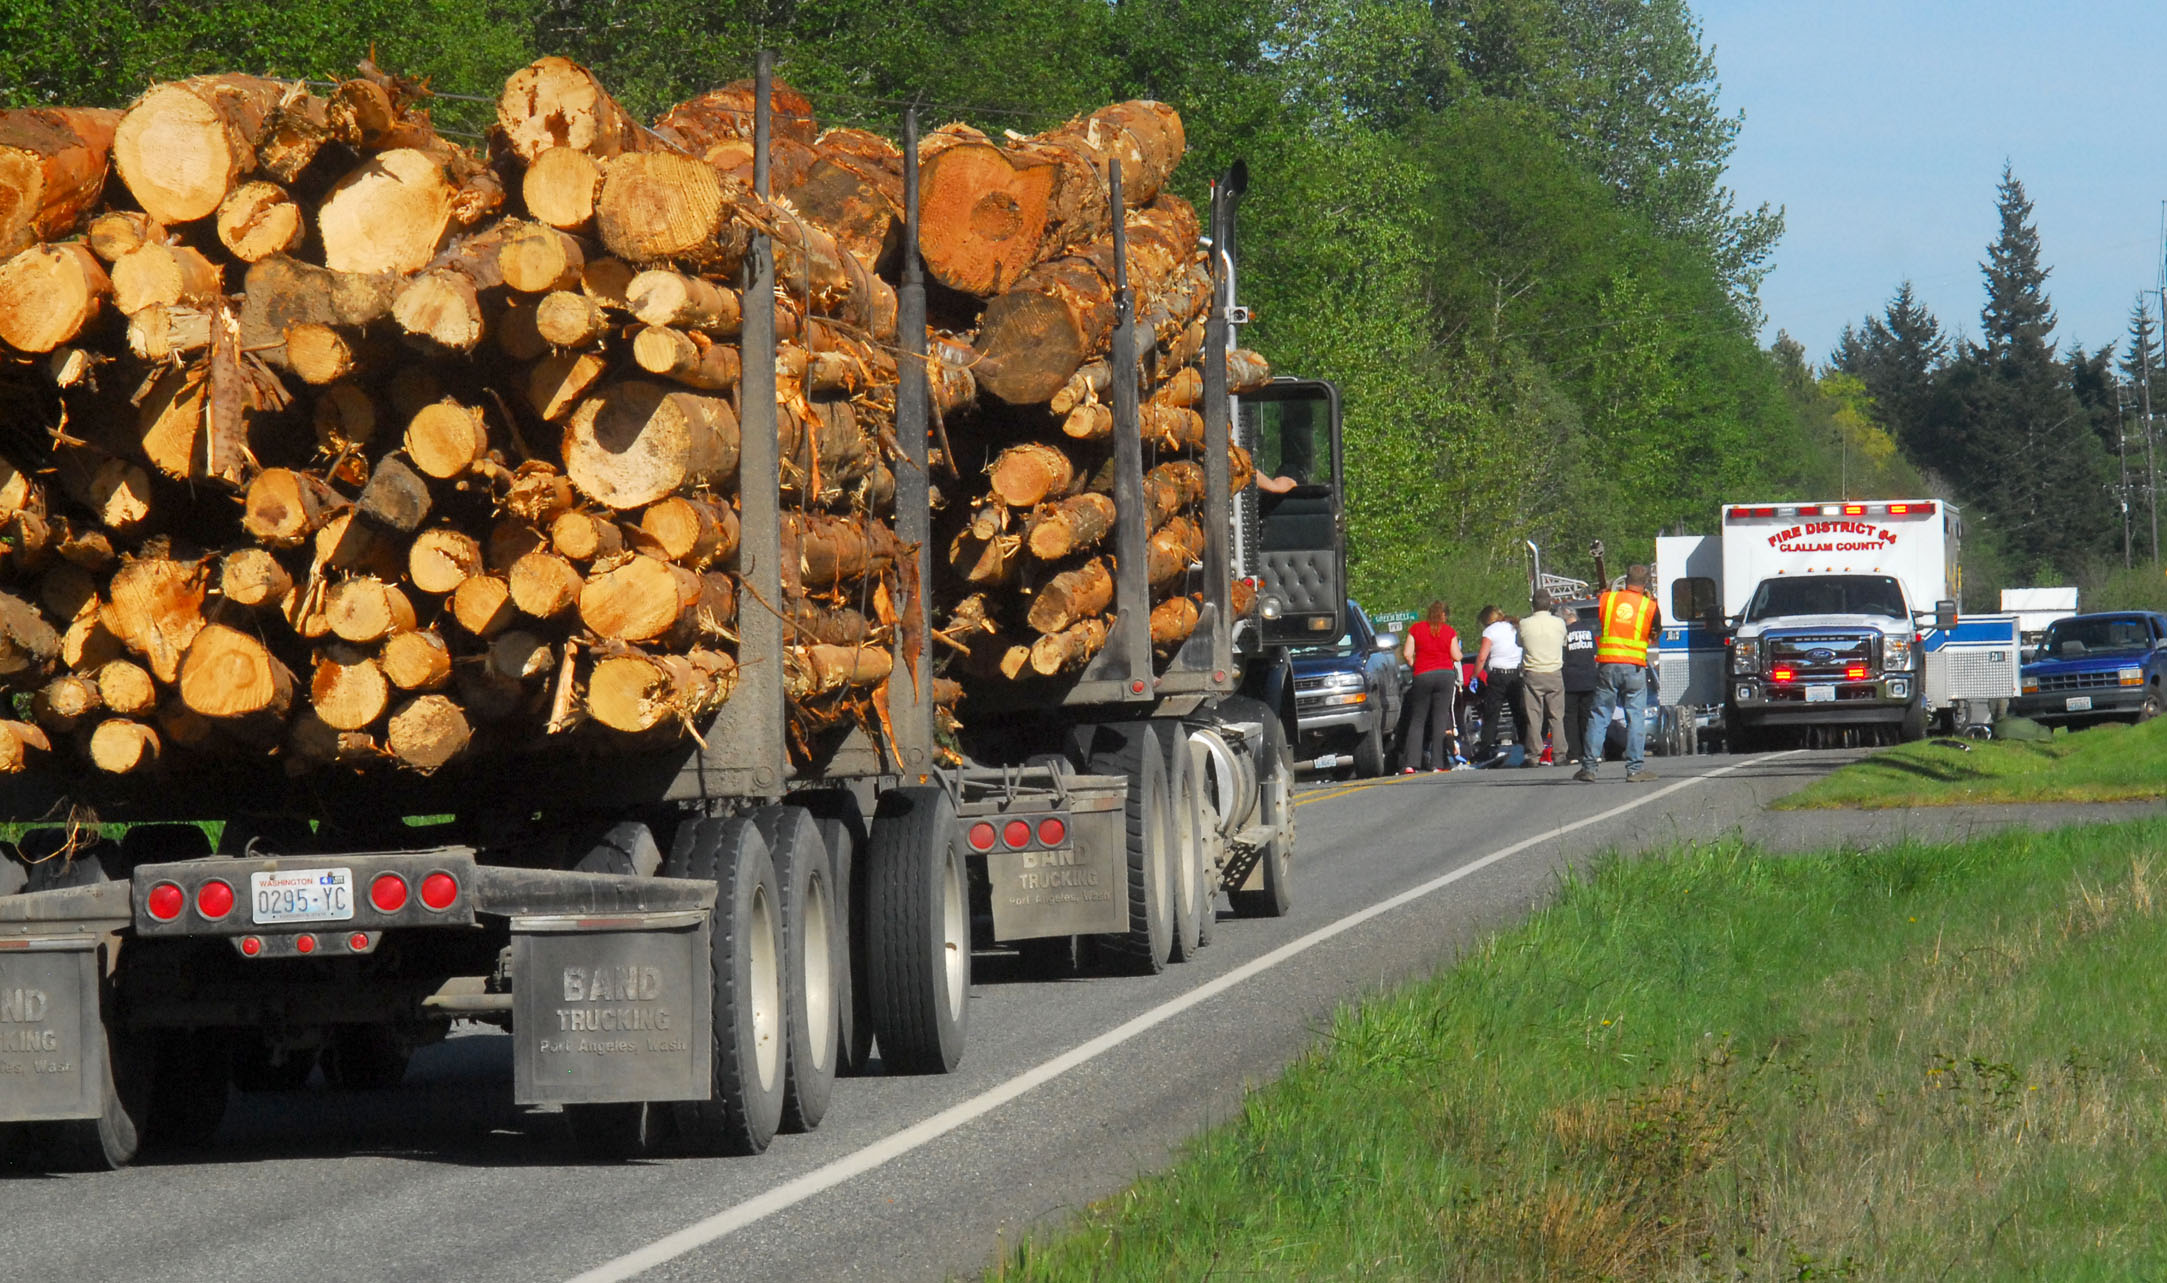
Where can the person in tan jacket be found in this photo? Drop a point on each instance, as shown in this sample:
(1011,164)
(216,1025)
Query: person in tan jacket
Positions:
(1542,678)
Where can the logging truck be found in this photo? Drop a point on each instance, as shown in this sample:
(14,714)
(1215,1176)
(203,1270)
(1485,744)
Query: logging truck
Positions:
(692,942)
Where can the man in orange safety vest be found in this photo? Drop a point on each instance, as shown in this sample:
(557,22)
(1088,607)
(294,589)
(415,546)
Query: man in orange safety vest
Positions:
(1628,618)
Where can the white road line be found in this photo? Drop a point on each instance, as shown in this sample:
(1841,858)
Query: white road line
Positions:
(790,1193)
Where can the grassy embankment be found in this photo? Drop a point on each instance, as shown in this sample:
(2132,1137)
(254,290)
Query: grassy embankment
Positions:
(2110,763)
(1928,1062)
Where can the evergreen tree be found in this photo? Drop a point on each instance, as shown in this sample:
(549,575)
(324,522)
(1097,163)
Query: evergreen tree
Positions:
(1897,356)
(2015,436)
(2141,371)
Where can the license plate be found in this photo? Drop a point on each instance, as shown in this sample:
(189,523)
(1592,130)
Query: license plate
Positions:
(1327,762)
(1820,694)
(2077,704)
(302,895)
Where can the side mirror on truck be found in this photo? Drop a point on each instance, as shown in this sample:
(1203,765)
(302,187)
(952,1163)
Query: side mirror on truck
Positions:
(1945,615)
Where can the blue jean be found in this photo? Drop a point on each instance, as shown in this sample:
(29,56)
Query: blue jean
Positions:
(1616,685)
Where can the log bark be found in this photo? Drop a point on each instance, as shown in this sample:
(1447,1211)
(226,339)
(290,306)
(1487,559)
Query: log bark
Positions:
(634,692)
(1072,595)
(692,358)
(536,258)
(389,215)
(558,381)
(416,660)
(52,171)
(1186,386)
(365,610)
(228,674)
(692,532)
(810,621)
(126,688)
(252,579)
(554,102)
(813,671)
(1071,648)
(560,187)
(660,296)
(349,696)
(428,732)
(1027,475)
(155,607)
(119,746)
(545,585)
(48,294)
(28,644)
(1070,526)
(813,267)
(821,552)
(1173,547)
(1035,337)
(442,559)
(259,219)
(1173,621)
(668,207)
(182,146)
(1171,427)
(640,600)
(282,507)
(396,498)
(985,560)
(282,291)
(990,213)
(637,442)
(854,189)
(1246,372)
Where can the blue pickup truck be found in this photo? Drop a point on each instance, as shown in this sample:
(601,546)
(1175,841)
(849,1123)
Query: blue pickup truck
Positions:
(1348,695)
(2096,668)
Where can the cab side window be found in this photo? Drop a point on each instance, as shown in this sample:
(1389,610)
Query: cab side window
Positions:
(1692,600)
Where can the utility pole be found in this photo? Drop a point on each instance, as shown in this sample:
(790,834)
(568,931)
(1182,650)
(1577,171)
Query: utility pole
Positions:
(2151,457)
(2121,451)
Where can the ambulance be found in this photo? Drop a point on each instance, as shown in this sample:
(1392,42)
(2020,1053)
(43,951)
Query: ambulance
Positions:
(1835,618)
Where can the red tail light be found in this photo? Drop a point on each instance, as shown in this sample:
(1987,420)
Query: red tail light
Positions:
(165,901)
(214,899)
(1017,834)
(358,942)
(983,836)
(304,944)
(1052,832)
(438,890)
(251,945)
(388,893)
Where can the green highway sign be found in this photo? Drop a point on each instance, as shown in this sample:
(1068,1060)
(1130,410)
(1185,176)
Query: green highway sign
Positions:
(1392,617)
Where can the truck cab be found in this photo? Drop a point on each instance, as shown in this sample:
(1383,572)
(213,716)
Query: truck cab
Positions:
(2095,668)
(1826,649)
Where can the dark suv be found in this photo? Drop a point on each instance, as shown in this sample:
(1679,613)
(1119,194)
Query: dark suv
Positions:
(1348,695)
(2094,668)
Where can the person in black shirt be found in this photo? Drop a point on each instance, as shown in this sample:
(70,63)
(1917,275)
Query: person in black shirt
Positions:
(1580,630)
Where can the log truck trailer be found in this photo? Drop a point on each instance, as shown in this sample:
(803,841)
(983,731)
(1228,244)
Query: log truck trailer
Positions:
(694,942)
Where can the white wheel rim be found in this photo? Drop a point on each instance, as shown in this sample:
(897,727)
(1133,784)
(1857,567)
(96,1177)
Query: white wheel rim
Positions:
(955,931)
(1187,845)
(767,990)
(819,978)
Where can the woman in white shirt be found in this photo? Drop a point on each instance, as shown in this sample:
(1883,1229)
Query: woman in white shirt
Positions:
(1499,661)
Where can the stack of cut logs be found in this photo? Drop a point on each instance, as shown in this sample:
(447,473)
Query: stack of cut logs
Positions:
(328,438)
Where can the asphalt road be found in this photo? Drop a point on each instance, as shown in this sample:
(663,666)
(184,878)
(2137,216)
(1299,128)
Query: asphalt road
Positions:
(1068,1091)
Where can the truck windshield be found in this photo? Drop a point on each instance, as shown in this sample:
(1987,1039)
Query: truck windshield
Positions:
(1827,595)
(2076,638)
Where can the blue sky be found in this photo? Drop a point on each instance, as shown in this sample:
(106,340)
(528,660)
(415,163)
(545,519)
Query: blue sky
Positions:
(1882,128)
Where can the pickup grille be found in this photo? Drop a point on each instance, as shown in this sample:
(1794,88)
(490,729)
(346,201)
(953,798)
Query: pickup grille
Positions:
(1812,655)
(2078,681)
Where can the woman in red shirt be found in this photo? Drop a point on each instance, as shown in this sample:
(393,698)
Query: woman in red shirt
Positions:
(1433,650)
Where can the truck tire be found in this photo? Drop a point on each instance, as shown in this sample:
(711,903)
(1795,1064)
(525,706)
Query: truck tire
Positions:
(110,1141)
(745,960)
(1275,807)
(2153,704)
(1187,840)
(813,958)
(1369,754)
(1739,735)
(1913,728)
(918,932)
(1132,751)
(842,829)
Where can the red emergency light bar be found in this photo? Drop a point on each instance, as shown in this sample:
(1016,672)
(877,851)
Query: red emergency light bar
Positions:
(1855,673)
(1784,675)
(1809,510)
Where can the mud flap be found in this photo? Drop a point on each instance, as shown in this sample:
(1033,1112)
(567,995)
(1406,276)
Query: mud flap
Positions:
(52,1045)
(611,1009)
(1081,888)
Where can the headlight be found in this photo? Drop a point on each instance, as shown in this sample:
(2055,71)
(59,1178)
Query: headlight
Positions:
(1895,650)
(1271,607)
(2131,676)
(1341,682)
(2029,685)
(1746,655)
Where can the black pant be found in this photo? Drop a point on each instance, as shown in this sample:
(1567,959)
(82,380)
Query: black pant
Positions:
(1578,704)
(1430,712)
(1499,688)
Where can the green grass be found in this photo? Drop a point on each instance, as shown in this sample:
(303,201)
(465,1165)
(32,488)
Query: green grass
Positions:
(1927,1062)
(2109,763)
